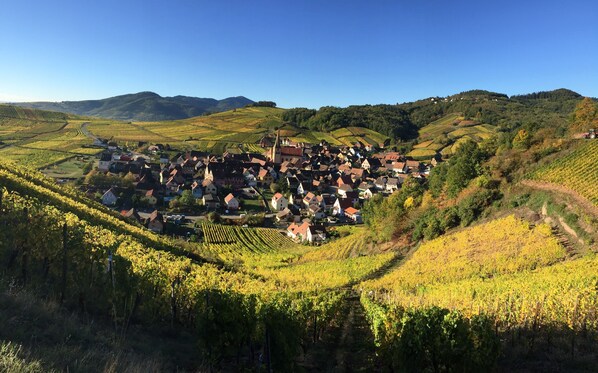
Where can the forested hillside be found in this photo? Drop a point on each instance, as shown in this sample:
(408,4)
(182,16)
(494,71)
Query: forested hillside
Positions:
(401,121)
(146,106)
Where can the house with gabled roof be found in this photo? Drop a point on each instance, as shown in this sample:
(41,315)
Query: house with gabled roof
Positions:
(155,222)
(279,202)
(284,215)
(344,189)
(265,177)
(209,187)
(231,202)
(368,193)
(413,166)
(105,161)
(380,183)
(353,214)
(109,198)
(316,212)
(151,196)
(211,201)
(371,164)
(340,205)
(392,184)
(316,234)
(308,199)
(399,167)
(307,232)
(131,214)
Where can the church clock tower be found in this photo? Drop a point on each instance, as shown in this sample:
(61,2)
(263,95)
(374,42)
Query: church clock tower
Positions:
(276,153)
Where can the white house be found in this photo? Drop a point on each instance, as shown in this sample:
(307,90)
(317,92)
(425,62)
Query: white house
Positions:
(307,232)
(343,189)
(105,162)
(340,205)
(353,214)
(392,184)
(279,202)
(368,193)
(231,202)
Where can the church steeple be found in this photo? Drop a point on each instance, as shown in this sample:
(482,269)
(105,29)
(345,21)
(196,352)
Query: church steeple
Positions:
(276,154)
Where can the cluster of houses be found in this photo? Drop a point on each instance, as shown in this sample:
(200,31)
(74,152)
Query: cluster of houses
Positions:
(316,183)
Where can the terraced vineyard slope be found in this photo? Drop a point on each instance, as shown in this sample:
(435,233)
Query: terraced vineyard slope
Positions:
(506,268)
(576,171)
(447,133)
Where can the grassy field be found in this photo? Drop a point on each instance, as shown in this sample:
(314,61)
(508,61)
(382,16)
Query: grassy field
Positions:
(69,169)
(446,134)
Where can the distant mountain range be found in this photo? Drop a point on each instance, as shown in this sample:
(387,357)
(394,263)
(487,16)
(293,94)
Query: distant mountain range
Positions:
(143,106)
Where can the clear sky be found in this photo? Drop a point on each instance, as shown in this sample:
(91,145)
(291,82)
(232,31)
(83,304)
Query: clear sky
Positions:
(297,53)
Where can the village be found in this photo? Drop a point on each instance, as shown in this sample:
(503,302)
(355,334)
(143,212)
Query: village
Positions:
(297,187)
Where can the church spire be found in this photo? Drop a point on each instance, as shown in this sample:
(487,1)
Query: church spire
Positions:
(276,154)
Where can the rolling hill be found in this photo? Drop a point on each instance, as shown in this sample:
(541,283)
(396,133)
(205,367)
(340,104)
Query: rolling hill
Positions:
(142,106)
(447,133)
(233,130)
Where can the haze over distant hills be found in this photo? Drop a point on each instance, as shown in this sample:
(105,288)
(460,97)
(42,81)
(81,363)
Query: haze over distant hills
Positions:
(143,106)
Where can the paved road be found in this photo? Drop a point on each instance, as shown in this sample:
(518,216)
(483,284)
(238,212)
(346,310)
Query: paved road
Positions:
(86,132)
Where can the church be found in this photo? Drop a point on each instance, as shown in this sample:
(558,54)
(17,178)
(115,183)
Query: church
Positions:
(280,154)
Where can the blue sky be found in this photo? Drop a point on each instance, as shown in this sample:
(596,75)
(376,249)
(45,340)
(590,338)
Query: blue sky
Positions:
(297,53)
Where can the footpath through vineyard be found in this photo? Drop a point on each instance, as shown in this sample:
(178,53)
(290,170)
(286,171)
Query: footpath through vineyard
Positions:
(555,188)
(348,346)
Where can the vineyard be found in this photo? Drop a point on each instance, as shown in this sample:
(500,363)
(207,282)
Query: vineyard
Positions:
(506,245)
(37,138)
(576,171)
(85,257)
(253,246)
(511,275)
(324,274)
(354,244)
(236,130)
(446,134)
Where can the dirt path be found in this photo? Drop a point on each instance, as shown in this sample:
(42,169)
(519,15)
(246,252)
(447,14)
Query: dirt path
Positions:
(349,345)
(550,187)
(346,347)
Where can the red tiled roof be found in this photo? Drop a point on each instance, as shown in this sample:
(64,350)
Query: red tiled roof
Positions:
(351,210)
(289,150)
